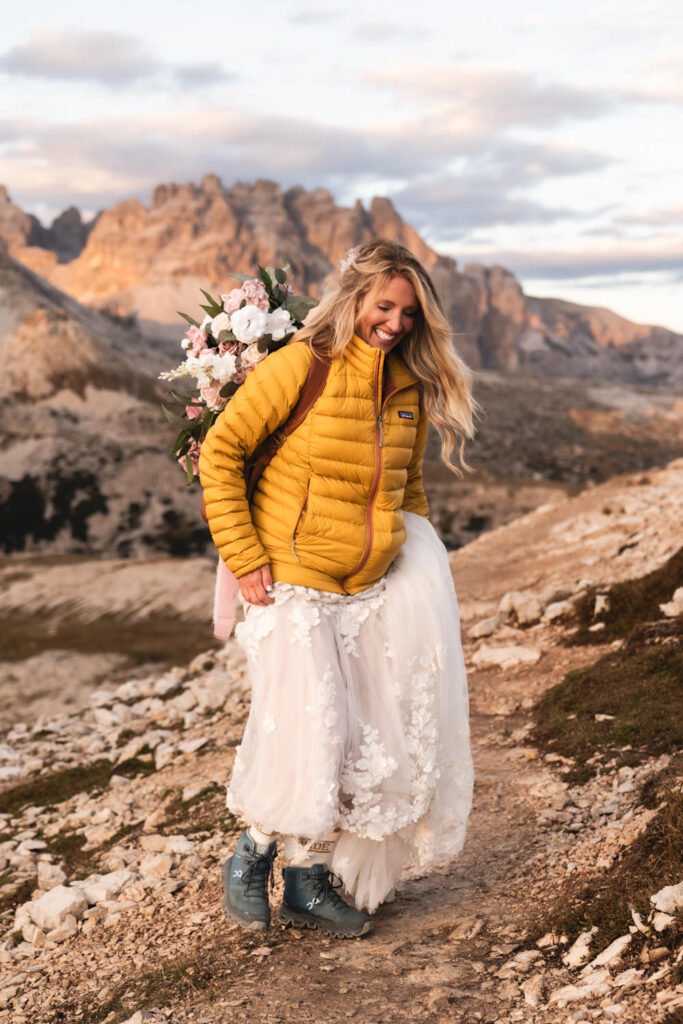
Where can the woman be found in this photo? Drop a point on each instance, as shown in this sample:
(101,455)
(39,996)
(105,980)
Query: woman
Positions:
(356,750)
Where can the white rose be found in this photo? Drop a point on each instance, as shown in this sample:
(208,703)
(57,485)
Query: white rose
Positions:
(209,366)
(224,367)
(249,324)
(279,324)
(220,323)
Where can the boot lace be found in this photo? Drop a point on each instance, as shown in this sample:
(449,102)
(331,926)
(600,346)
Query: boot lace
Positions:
(327,890)
(258,872)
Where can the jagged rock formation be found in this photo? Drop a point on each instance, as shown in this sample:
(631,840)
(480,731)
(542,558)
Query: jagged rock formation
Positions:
(84,464)
(38,246)
(84,460)
(152,262)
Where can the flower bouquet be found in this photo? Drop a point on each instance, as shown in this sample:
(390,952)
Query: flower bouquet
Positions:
(236,333)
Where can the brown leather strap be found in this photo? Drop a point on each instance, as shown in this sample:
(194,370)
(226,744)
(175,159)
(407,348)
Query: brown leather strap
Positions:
(310,393)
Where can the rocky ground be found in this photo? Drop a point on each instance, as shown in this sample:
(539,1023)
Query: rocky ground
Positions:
(113,826)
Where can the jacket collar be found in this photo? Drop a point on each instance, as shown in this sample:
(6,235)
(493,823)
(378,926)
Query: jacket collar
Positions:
(363,358)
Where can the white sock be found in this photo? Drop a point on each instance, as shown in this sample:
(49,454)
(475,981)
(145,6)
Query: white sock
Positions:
(316,851)
(261,839)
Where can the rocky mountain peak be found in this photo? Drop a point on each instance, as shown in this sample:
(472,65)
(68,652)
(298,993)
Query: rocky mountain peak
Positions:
(150,262)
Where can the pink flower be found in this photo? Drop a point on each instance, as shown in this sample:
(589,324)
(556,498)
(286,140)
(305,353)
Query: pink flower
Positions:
(197,340)
(252,292)
(251,356)
(232,300)
(193,412)
(232,347)
(193,454)
(211,394)
(256,295)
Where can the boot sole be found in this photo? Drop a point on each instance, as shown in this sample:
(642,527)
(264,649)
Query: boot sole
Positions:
(301,919)
(232,914)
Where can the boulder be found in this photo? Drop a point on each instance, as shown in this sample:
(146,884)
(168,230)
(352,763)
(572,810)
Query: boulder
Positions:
(578,953)
(524,605)
(669,899)
(507,656)
(57,905)
(106,887)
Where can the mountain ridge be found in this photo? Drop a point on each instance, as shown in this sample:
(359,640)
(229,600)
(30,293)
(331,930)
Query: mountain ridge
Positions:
(151,261)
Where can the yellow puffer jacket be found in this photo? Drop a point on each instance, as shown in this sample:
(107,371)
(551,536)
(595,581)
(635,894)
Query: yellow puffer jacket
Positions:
(327,510)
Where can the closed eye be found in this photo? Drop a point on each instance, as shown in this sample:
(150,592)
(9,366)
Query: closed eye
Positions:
(385,309)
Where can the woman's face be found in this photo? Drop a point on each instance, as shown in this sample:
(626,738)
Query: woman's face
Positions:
(387,314)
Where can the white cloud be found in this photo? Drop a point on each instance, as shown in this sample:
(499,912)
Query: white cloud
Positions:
(112,59)
(575,264)
(492,97)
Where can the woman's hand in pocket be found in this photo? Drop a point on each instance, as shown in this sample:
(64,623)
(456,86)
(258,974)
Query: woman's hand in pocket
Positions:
(253,586)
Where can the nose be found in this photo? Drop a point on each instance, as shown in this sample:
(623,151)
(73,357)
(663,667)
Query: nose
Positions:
(394,321)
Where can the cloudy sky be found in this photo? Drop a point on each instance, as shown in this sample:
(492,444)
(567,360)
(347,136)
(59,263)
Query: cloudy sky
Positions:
(545,137)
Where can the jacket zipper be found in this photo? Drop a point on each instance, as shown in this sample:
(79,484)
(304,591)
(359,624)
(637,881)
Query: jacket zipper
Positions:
(300,517)
(379,441)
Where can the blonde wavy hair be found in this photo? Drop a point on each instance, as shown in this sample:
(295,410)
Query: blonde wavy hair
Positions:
(427,350)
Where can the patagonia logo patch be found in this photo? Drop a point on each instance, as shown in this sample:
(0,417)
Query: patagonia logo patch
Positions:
(405,414)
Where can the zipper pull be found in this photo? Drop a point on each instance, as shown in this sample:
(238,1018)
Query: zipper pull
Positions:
(381,429)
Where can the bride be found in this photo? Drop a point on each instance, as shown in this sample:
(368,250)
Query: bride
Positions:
(356,752)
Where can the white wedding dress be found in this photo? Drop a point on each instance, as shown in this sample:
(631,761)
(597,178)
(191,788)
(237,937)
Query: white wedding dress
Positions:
(359,720)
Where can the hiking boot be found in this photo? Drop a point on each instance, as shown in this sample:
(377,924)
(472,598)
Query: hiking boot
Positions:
(311,900)
(245,881)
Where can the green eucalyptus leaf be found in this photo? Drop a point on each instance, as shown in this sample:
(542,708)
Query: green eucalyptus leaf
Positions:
(194,323)
(229,389)
(189,470)
(266,278)
(186,397)
(174,419)
(280,275)
(179,441)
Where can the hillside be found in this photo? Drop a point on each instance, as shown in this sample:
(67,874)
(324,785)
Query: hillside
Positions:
(151,261)
(83,448)
(565,904)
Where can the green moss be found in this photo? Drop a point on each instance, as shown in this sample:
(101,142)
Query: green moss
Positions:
(164,640)
(630,603)
(48,790)
(640,685)
(19,894)
(653,860)
(67,848)
(204,812)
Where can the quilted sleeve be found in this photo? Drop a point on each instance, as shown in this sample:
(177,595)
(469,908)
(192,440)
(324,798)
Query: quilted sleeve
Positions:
(257,408)
(414,498)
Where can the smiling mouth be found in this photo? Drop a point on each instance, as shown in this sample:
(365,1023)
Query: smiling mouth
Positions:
(384,337)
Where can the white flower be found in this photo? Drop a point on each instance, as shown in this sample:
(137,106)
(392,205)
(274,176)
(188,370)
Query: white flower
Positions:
(220,323)
(206,323)
(249,324)
(209,366)
(348,259)
(279,324)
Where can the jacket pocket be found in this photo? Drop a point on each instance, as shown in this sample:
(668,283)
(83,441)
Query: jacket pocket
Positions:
(299,521)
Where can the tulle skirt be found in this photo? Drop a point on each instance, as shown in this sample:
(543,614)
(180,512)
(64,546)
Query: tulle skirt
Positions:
(359,720)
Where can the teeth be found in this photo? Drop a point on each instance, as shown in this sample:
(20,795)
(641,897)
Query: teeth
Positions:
(383,336)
